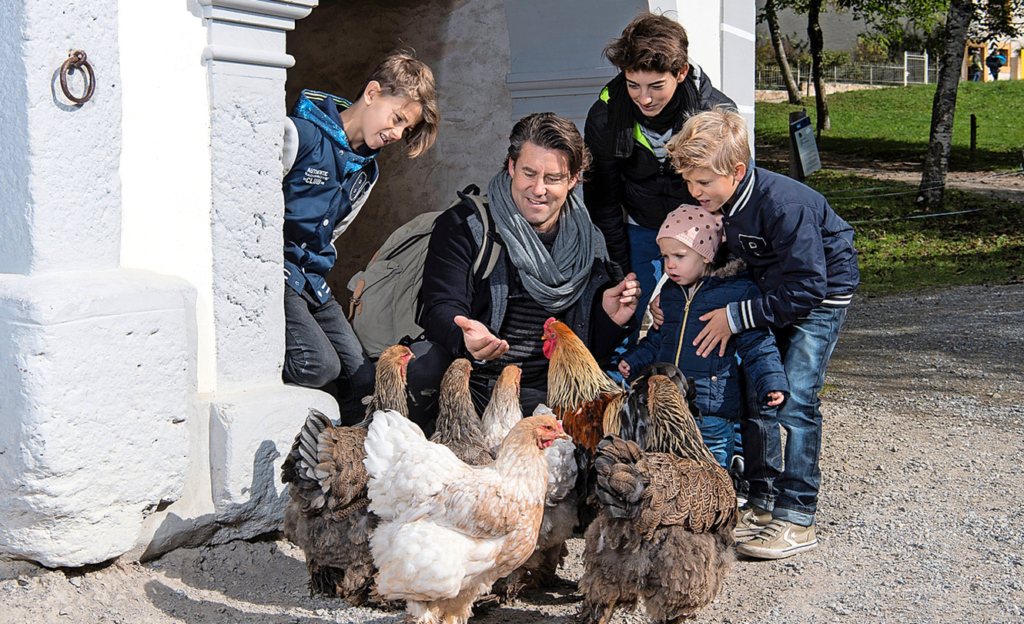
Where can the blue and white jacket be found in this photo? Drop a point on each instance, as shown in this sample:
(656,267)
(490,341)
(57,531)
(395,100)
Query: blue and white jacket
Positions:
(799,250)
(716,379)
(324,189)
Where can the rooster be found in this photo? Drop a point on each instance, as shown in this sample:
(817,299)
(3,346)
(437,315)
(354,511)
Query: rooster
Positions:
(579,392)
(664,534)
(326,515)
(458,427)
(503,411)
(448,530)
(584,398)
(556,527)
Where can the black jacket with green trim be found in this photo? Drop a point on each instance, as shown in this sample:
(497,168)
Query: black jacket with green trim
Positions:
(640,185)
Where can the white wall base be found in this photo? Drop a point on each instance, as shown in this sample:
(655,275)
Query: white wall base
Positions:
(97,369)
(234,489)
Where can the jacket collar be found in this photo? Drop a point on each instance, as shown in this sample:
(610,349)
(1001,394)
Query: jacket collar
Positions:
(321,109)
(741,196)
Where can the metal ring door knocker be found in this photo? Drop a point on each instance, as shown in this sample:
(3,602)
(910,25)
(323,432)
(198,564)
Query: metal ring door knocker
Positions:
(77,60)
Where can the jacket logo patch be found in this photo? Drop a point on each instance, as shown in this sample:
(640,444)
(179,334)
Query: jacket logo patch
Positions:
(753,244)
(358,186)
(315,176)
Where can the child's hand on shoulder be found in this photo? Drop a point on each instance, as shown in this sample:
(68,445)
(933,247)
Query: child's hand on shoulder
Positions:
(775,398)
(624,368)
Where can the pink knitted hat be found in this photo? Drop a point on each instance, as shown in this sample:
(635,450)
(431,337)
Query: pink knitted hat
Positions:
(695,227)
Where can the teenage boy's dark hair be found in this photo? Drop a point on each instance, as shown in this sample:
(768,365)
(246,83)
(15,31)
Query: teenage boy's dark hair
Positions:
(550,131)
(401,75)
(651,43)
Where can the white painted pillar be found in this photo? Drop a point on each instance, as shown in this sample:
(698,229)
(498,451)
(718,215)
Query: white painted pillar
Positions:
(97,363)
(722,38)
(249,417)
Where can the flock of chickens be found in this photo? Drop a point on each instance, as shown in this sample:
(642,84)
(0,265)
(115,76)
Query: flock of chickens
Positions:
(483,509)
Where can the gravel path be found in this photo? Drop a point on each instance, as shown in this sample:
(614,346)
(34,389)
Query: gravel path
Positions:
(920,519)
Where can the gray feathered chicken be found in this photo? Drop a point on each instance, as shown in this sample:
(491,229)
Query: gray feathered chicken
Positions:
(458,426)
(327,515)
(663,536)
(560,509)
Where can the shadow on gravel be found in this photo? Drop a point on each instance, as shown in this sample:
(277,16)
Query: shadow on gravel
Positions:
(253,572)
(519,615)
(180,606)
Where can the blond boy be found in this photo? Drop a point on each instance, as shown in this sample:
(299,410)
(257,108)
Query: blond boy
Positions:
(802,258)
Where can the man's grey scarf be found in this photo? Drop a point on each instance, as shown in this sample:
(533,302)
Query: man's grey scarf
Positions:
(555,280)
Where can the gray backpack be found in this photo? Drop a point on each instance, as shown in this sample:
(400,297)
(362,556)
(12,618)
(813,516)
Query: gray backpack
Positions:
(385,295)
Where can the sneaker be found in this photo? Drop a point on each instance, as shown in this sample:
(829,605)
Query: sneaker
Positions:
(778,540)
(752,519)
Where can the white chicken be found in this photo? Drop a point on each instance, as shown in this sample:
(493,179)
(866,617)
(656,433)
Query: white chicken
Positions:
(559,521)
(448,530)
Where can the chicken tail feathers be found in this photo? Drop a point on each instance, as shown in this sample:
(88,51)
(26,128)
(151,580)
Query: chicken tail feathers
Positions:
(303,457)
(619,482)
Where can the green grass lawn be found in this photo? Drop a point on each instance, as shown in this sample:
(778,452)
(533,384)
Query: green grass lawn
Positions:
(983,247)
(893,123)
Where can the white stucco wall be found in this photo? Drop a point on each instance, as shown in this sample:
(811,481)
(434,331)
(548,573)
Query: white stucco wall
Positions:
(97,363)
(165,155)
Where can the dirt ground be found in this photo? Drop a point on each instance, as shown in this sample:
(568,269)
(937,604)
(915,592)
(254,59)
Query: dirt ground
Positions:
(920,518)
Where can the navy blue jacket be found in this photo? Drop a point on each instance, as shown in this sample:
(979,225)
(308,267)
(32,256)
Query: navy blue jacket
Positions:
(717,379)
(799,250)
(323,191)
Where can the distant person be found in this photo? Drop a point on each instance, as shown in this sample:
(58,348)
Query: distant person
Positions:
(995,62)
(632,186)
(802,258)
(330,151)
(974,69)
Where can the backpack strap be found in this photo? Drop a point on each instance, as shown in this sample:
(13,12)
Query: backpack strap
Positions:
(490,248)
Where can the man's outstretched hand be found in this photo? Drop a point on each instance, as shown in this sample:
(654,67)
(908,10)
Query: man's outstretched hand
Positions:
(480,342)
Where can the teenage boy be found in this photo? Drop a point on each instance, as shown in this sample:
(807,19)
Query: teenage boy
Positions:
(802,258)
(329,159)
(656,90)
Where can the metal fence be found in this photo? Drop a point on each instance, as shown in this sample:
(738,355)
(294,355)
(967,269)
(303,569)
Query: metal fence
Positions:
(915,70)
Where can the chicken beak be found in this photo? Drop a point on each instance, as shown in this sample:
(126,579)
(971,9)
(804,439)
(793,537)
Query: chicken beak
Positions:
(562,435)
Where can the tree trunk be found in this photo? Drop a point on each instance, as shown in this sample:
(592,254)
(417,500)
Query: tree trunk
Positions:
(817,40)
(780,52)
(940,138)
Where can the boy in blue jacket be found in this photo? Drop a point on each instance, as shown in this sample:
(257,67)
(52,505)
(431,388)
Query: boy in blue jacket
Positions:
(329,160)
(801,255)
(688,240)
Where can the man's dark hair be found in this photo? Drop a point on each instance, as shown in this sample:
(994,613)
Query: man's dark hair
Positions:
(651,43)
(550,131)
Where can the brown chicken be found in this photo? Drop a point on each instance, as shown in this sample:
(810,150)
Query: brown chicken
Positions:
(327,515)
(458,427)
(448,530)
(664,534)
(634,423)
(503,411)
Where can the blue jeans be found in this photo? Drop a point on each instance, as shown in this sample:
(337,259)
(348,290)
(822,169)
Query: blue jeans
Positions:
(806,347)
(645,258)
(719,436)
(322,351)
